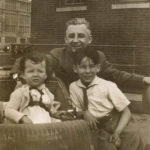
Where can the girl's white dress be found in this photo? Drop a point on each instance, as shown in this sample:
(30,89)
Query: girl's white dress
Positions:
(37,113)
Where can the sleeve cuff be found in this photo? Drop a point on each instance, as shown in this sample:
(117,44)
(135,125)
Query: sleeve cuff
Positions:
(13,115)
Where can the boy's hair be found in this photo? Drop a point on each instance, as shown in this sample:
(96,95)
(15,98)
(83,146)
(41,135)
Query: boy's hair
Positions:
(37,58)
(78,21)
(87,52)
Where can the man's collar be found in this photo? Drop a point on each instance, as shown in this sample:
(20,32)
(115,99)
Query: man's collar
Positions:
(94,82)
(69,51)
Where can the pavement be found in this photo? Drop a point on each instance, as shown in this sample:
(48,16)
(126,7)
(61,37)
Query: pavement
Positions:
(143,120)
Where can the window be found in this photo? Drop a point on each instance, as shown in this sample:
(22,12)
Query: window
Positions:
(24,6)
(10,4)
(10,28)
(24,29)
(62,3)
(74,2)
(28,40)
(25,22)
(22,41)
(0,3)
(126,4)
(10,22)
(71,5)
(10,39)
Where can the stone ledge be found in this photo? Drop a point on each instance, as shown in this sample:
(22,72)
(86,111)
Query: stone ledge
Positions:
(130,5)
(71,8)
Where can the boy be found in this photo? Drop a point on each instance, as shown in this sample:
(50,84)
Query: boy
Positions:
(32,102)
(102,105)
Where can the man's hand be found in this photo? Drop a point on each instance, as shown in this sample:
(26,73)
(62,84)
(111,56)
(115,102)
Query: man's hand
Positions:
(92,121)
(63,115)
(25,120)
(115,138)
(146,80)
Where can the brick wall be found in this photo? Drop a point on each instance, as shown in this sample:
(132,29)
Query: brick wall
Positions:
(127,27)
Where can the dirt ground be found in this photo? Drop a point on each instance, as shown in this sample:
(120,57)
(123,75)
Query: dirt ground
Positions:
(143,120)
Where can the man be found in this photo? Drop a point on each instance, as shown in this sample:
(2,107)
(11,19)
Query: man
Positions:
(78,36)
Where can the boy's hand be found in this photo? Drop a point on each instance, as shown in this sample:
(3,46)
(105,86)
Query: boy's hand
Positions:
(92,121)
(115,138)
(25,120)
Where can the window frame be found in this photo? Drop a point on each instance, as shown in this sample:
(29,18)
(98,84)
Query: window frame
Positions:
(63,7)
(127,4)
(73,3)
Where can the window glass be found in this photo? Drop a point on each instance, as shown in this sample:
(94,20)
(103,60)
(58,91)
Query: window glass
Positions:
(10,22)
(25,6)
(10,39)
(25,22)
(10,4)
(71,2)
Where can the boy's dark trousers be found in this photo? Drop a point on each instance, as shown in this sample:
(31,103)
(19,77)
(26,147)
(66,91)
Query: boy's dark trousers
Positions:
(130,138)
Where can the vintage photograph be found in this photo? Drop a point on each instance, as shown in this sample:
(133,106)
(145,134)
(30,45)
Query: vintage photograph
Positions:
(74,74)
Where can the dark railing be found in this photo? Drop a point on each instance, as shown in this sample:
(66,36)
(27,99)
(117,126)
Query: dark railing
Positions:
(131,58)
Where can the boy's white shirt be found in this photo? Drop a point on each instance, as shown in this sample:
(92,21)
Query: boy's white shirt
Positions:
(103,96)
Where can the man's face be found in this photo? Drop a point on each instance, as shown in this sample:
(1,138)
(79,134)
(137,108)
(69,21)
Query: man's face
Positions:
(35,73)
(77,37)
(86,70)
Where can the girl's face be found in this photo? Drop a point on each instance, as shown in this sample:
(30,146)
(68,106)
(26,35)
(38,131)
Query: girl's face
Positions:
(35,73)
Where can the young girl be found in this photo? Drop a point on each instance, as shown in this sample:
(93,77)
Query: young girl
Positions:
(32,102)
(103,106)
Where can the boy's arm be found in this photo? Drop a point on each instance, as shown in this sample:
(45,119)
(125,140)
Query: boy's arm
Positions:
(11,111)
(124,119)
(25,120)
(120,103)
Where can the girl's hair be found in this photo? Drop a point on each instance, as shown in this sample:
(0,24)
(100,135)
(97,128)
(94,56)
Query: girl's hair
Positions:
(87,52)
(37,58)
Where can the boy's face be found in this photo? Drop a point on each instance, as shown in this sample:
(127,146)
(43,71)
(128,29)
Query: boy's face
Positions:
(35,73)
(86,70)
(77,37)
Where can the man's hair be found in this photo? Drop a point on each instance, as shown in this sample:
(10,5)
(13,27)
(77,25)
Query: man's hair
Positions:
(78,21)
(87,52)
(37,58)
